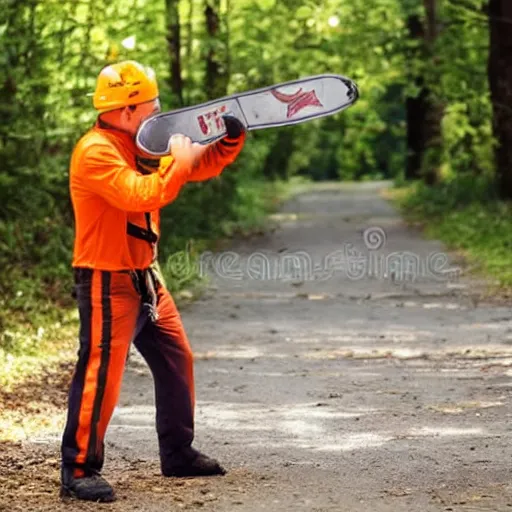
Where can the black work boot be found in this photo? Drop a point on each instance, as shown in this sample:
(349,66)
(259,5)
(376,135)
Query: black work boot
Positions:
(91,487)
(190,462)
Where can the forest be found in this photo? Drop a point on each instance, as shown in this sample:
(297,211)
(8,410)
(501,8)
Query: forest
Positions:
(434,116)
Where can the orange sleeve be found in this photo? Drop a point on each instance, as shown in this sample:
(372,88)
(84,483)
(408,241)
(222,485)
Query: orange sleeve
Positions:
(105,172)
(218,156)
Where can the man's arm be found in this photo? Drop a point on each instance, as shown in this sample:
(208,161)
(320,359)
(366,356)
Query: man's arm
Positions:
(106,173)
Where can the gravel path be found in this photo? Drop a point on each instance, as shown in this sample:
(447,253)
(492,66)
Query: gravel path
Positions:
(342,365)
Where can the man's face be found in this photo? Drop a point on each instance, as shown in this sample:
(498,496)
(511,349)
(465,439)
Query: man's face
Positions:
(132,119)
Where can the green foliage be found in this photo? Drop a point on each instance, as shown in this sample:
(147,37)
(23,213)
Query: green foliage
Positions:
(52,50)
(463,86)
(467,136)
(450,195)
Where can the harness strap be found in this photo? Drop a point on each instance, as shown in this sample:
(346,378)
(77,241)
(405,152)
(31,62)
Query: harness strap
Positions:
(143,234)
(132,229)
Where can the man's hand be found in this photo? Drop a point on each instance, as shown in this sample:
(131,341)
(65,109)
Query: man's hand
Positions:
(234,127)
(186,153)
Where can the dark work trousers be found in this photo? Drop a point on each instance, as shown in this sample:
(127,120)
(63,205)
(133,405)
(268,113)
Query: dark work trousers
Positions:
(114,311)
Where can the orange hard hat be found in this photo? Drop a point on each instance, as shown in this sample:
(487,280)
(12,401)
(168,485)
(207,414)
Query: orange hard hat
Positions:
(124,83)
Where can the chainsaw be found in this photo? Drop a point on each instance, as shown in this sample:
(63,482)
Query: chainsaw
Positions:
(284,104)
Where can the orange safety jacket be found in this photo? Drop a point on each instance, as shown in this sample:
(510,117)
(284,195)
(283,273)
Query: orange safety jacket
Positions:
(116,201)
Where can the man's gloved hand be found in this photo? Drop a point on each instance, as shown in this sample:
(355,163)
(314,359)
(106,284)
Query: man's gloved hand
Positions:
(234,127)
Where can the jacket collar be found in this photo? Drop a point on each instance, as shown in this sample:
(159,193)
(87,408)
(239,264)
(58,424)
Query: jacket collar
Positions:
(125,137)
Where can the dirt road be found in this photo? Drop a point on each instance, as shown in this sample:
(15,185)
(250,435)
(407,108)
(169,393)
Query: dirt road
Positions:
(342,365)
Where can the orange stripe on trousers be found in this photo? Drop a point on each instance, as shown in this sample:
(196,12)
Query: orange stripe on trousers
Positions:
(122,307)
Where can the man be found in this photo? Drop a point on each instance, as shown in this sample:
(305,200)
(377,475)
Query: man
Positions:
(116,194)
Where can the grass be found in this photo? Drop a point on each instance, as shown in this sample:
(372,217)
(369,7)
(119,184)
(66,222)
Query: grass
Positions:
(31,349)
(467,216)
(36,363)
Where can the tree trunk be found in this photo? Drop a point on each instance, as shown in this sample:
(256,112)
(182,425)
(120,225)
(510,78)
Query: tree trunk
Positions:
(430,21)
(423,113)
(226,41)
(188,51)
(216,80)
(432,158)
(500,83)
(276,163)
(431,161)
(416,107)
(174,44)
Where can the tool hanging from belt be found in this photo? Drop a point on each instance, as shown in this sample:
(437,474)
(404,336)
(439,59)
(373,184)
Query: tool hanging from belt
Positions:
(146,284)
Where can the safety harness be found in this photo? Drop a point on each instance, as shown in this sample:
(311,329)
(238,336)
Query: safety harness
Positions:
(146,280)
